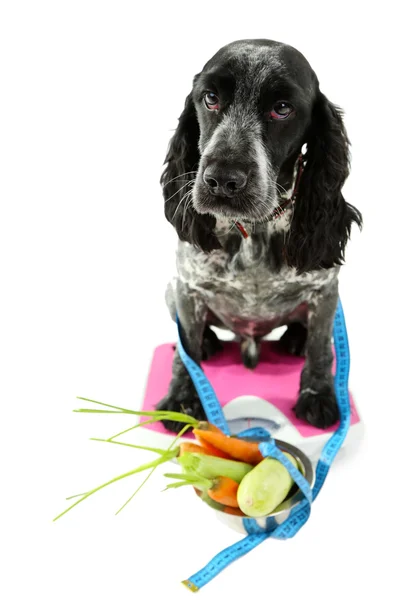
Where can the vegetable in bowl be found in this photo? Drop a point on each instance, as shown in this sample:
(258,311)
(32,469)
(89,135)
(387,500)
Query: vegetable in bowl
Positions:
(228,473)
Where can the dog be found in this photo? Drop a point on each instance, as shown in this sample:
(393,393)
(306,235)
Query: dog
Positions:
(252,183)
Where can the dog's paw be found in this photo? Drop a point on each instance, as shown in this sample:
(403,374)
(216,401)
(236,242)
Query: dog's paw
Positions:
(184,400)
(317,408)
(293,340)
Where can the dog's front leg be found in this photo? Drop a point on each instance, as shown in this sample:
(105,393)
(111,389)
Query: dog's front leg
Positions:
(182,396)
(317,402)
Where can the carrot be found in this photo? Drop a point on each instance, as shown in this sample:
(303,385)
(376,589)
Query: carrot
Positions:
(224,491)
(191,447)
(205,448)
(204,495)
(218,492)
(237,448)
(231,510)
(206,426)
(213,450)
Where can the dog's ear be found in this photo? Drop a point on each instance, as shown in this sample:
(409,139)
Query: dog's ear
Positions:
(181,166)
(322,219)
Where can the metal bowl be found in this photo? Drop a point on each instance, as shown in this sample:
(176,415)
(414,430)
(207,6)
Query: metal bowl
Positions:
(235,518)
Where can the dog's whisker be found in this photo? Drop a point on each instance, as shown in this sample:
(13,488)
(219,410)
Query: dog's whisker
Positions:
(184,197)
(282,192)
(189,200)
(278,187)
(277,184)
(186,208)
(180,190)
(181,175)
(261,216)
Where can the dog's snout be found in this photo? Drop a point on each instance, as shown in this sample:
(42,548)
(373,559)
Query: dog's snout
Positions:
(222,181)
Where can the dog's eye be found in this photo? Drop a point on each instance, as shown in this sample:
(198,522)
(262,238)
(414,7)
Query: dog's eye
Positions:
(282,110)
(211,101)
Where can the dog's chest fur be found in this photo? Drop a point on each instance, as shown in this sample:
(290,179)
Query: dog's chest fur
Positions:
(244,287)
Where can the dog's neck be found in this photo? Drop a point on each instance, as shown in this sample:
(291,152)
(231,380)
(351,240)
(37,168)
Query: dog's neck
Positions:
(276,223)
(280,218)
(225,226)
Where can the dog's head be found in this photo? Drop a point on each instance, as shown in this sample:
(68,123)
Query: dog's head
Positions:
(251,109)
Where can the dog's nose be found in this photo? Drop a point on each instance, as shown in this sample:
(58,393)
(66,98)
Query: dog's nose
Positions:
(222,181)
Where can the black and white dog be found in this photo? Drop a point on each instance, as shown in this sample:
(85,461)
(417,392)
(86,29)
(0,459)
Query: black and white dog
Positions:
(253,185)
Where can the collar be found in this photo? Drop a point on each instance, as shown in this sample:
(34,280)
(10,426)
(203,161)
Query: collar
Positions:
(288,202)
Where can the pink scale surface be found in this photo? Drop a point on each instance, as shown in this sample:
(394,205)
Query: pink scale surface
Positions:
(276,379)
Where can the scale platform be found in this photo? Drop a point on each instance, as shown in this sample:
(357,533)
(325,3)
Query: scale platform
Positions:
(263,397)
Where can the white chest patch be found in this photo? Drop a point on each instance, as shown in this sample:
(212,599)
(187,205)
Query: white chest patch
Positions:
(243,286)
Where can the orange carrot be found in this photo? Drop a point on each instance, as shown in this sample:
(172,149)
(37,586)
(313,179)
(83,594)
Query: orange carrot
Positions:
(231,510)
(191,447)
(206,426)
(242,450)
(224,491)
(205,448)
(213,450)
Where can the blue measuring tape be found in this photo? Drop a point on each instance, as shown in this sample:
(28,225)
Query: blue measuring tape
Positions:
(300,513)
(204,388)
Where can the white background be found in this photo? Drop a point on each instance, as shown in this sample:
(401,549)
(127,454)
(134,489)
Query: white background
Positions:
(90,95)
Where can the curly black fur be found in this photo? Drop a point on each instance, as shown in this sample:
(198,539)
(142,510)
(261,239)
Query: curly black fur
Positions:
(182,162)
(322,221)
